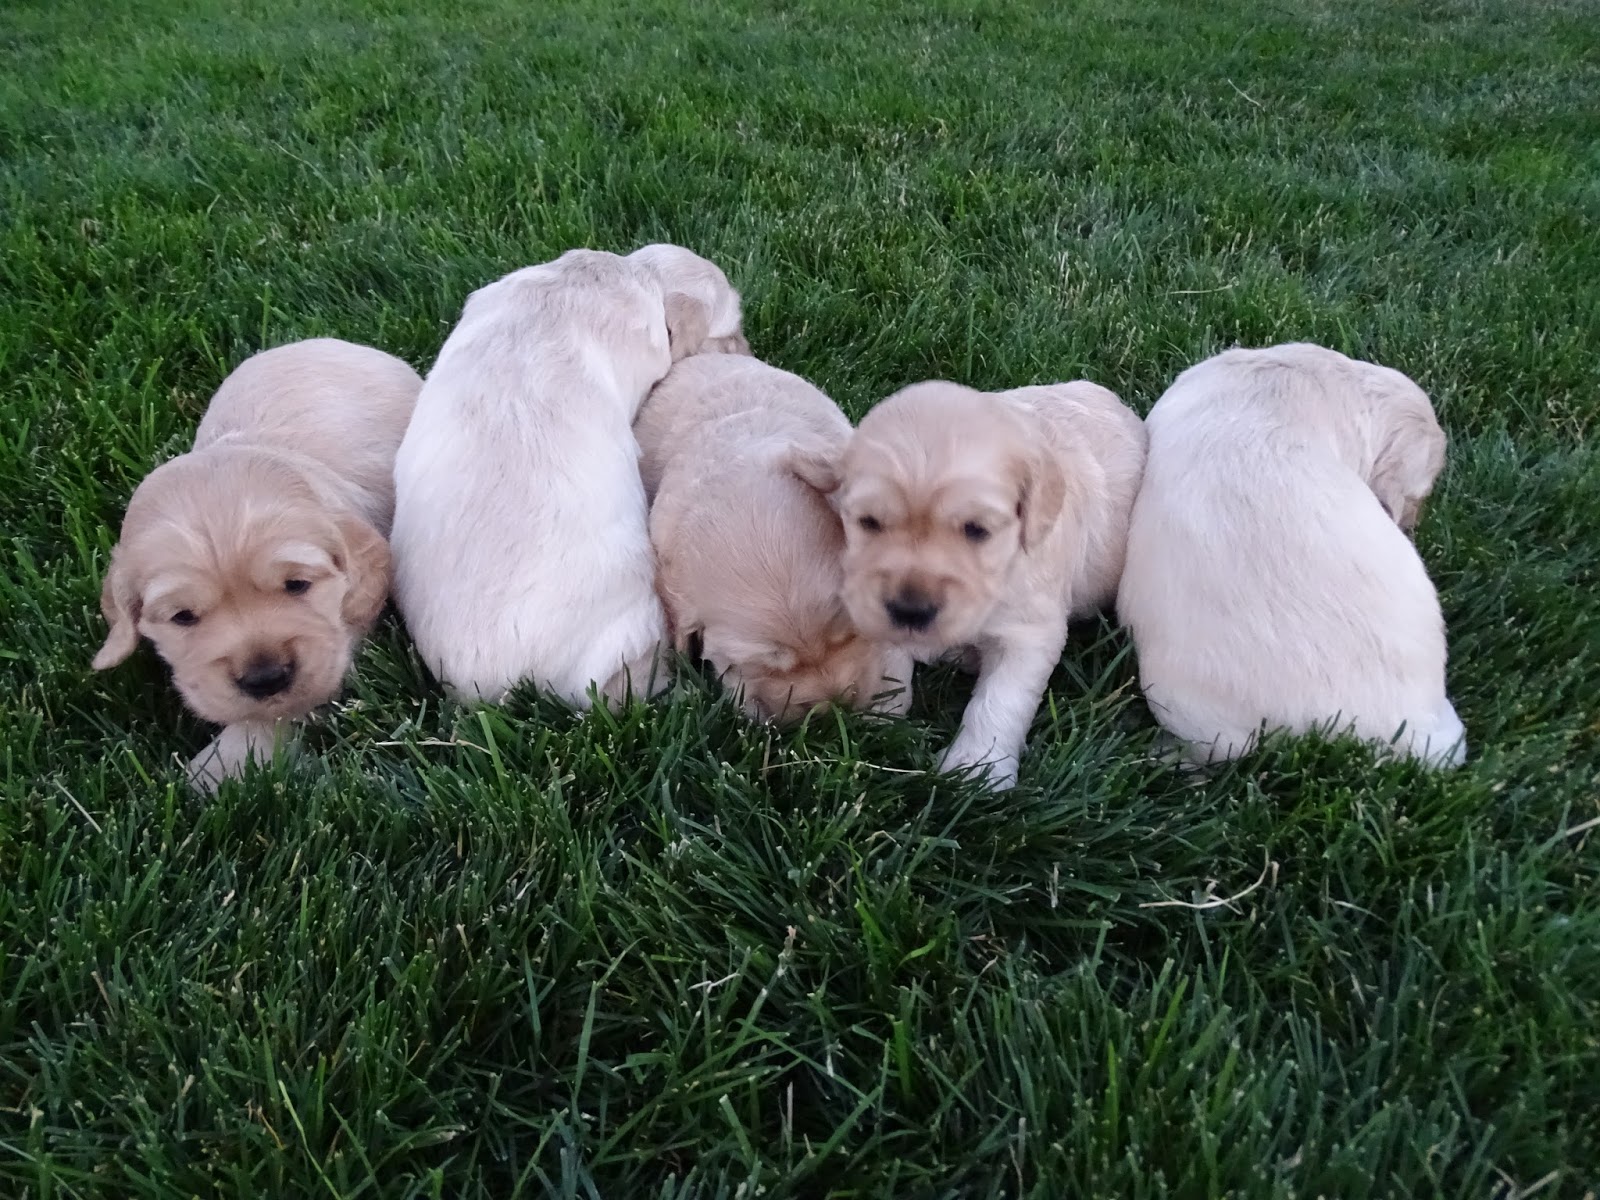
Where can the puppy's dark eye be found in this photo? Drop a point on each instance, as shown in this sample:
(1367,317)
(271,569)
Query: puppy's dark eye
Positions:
(297,587)
(184,617)
(975,532)
(871,524)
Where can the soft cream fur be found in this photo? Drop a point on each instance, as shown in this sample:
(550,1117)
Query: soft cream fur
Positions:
(521,545)
(980,522)
(747,551)
(1269,583)
(261,552)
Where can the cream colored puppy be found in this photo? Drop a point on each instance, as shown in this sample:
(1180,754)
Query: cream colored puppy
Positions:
(980,522)
(1269,583)
(747,552)
(256,562)
(521,544)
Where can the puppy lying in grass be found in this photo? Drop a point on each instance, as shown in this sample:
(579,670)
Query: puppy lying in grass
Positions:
(980,522)
(1269,583)
(747,549)
(256,562)
(521,544)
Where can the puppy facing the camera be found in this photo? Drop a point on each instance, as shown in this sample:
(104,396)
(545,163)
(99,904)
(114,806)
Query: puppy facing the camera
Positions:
(1269,582)
(747,550)
(256,562)
(979,523)
(521,544)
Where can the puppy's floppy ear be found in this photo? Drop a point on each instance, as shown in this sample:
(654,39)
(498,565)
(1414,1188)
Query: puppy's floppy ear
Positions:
(734,343)
(671,547)
(1042,495)
(1407,463)
(368,569)
(816,464)
(688,324)
(686,639)
(1408,444)
(684,627)
(121,603)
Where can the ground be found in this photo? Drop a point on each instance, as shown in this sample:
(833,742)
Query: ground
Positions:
(519,952)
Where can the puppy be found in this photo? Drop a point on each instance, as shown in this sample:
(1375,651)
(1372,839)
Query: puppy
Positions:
(257,561)
(521,544)
(979,523)
(1269,583)
(747,551)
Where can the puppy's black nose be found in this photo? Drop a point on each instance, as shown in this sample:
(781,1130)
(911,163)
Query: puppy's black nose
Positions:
(265,677)
(912,610)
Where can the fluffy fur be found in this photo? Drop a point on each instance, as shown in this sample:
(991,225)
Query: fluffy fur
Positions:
(979,523)
(520,538)
(747,550)
(256,562)
(1269,583)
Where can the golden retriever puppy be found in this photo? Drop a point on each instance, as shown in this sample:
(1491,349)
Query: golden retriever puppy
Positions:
(256,562)
(521,537)
(747,551)
(979,523)
(1269,582)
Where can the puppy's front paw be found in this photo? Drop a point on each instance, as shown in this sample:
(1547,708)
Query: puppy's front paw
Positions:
(982,757)
(229,752)
(209,768)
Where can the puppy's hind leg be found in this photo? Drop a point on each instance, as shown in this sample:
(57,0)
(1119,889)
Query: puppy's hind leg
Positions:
(1443,741)
(642,676)
(231,751)
(1004,701)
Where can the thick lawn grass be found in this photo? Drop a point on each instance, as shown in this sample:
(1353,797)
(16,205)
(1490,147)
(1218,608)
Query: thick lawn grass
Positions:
(521,952)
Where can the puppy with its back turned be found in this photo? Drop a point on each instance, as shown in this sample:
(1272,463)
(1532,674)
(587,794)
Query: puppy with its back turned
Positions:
(521,540)
(256,562)
(1270,583)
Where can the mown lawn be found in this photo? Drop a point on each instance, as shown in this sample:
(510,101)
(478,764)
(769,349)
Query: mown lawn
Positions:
(519,953)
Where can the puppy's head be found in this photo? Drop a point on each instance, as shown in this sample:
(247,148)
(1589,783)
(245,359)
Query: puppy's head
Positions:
(941,489)
(749,567)
(781,675)
(1408,443)
(249,588)
(701,305)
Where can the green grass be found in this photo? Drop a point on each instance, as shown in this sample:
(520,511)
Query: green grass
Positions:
(524,953)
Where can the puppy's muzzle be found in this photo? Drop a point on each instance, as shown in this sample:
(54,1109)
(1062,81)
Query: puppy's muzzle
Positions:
(911,609)
(265,677)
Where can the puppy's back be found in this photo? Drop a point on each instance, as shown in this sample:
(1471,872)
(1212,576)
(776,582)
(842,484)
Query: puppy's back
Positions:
(1264,581)
(705,388)
(520,537)
(342,405)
